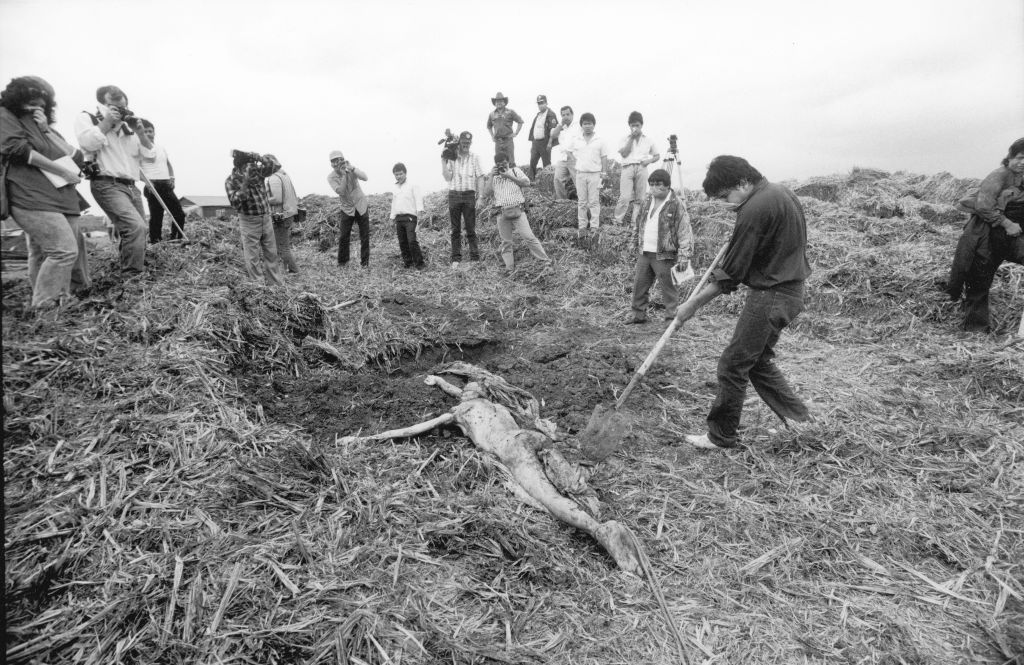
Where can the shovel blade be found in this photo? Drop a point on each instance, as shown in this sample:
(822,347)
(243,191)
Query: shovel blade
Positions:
(604,434)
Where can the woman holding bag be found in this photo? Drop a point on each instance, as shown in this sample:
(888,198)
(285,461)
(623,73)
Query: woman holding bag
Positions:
(47,211)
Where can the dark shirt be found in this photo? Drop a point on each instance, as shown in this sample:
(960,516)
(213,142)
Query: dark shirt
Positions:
(249,197)
(27,187)
(768,246)
(501,120)
(996,189)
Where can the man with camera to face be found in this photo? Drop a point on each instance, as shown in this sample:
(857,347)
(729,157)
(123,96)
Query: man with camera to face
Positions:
(508,182)
(248,195)
(109,139)
(344,180)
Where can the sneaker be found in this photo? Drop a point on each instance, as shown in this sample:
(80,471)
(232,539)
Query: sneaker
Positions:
(634,319)
(702,441)
(455,265)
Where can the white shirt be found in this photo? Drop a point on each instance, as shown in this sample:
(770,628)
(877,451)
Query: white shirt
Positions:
(643,148)
(117,153)
(405,200)
(651,226)
(560,152)
(156,167)
(589,153)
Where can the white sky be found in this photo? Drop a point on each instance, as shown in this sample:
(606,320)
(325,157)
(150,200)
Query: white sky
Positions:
(799,88)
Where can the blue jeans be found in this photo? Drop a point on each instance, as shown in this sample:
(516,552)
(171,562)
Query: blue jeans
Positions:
(259,248)
(123,205)
(462,208)
(749,357)
(57,261)
(521,225)
(283,241)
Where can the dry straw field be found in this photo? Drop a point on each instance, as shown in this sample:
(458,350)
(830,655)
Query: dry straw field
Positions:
(178,489)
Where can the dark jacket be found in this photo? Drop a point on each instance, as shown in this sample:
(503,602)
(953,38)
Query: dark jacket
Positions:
(550,122)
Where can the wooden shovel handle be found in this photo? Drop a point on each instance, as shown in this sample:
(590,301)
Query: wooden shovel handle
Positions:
(656,351)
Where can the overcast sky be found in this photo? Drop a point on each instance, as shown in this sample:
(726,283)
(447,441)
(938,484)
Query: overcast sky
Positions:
(799,88)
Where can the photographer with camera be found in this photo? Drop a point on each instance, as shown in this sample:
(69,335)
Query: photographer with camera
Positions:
(344,180)
(284,208)
(109,141)
(465,178)
(508,182)
(248,195)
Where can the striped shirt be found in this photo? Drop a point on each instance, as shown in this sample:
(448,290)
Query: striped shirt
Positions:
(506,192)
(465,170)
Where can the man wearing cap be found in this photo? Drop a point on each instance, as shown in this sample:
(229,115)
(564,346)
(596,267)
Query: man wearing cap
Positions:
(247,193)
(592,155)
(344,180)
(540,135)
(499,124)
(465,178)
(636,151)
(561,139)
(664,238)
(107,139)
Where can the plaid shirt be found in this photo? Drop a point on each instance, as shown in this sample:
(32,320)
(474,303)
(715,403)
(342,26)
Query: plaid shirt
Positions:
(465,170)
(250,197)
(506,192)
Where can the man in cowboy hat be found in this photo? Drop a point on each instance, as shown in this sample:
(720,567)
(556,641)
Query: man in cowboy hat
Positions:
(499,124)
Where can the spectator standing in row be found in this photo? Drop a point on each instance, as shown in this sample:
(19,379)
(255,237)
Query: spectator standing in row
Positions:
(108,139)
(499,124)
(540,135)
(592,155)
(664,238)
(247,193)
(161,174)
(344,180)
(508,181)
(636,151)
(465,178)
(284,207)
(47,213)
(561,139)
(406,210)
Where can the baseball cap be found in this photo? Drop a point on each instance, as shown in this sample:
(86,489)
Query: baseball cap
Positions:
(336,154)
(542,98)
(466,135)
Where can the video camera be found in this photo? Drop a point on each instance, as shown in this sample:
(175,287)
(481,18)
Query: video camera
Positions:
(243,157)
(451,145)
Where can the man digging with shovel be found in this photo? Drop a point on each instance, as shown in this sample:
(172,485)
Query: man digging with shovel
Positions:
(767,252)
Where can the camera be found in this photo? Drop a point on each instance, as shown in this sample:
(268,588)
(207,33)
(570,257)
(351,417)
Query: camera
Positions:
(451,145)
(90,170)
(244,157)
(128,117)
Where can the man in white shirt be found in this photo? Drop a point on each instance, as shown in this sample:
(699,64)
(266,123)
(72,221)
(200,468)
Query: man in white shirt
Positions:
(107,138)
(161,176)
(406,209)
(663,234)
(592,155)
(636,151)
(565,163)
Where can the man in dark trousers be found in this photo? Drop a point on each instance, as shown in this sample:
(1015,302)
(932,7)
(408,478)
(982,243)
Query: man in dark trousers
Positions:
(767,253)
(344,180)
(540,135)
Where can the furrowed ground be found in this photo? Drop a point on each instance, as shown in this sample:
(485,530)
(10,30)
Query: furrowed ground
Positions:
(176,493)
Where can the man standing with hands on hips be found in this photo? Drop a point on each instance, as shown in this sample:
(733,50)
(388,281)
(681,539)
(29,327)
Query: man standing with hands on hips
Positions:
(768,253)
(344,180)
(499,124)
(637,151)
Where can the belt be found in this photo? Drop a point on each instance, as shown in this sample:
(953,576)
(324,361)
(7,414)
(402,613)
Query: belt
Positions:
(626,166)
(122,181)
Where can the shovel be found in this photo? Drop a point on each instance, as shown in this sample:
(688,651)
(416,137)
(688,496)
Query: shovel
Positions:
(608,427)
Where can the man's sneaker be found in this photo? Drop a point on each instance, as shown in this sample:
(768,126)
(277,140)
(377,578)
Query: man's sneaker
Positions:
(634,319)
(702,441)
